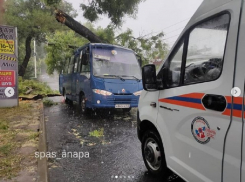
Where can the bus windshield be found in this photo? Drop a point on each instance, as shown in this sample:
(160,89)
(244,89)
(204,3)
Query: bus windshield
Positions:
(115,62)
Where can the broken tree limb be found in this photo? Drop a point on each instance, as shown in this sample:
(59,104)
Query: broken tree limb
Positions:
(38,96)
(76,26)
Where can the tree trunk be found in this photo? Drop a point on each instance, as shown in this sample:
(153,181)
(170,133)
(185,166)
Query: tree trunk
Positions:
(76,26)
(23,66)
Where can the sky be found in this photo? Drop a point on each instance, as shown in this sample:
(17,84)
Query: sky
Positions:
(154,16)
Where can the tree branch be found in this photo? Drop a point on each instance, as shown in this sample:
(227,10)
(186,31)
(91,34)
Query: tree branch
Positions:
(76,26)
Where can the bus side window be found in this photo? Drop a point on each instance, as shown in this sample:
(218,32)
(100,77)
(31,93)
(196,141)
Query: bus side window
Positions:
(66,65)
(71,65)
(79,65)
(85,59)
(76,64)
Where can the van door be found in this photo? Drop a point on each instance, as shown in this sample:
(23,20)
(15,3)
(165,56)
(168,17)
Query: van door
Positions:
(235,141)
(193,108)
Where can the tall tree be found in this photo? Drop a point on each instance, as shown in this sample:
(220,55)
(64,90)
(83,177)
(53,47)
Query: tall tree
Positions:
(114,9)
(1,11)
(76,26)
(148,47)
(61,46)
(33,20)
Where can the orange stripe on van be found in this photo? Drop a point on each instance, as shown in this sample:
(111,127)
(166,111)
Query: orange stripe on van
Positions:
(227,112)
(236,113)
(194,95)
(236,100)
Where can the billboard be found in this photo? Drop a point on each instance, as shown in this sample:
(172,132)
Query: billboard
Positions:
(8,66)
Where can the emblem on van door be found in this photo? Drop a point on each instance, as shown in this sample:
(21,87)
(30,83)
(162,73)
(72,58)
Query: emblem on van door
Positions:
(201,131)
(123,90)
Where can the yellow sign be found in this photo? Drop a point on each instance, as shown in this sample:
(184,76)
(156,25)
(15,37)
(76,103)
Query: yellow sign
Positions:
(5,73)
(6,46)
(7,58)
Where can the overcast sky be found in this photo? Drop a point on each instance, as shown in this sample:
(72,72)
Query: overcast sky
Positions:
(169,16)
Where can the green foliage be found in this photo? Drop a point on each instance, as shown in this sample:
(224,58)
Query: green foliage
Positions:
(5,149)
(114,9)
(149,48)
(58,49)
(33,18)
(33,136)
(48,102)
(38,87)
(3,125)
(97,133)
(59,43)
(107,34)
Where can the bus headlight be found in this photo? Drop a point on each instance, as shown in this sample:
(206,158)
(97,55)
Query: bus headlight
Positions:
(137,93)
(102,92)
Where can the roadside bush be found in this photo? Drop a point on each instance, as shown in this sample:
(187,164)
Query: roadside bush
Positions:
(48,102)
(35,86)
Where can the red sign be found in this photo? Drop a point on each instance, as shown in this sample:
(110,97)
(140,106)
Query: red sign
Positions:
(7,78)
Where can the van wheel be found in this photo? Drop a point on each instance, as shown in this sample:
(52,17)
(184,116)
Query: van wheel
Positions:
(82,104)
(153,153)
(127,110)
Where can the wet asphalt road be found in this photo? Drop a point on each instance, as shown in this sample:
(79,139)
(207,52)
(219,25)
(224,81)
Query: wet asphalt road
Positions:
(110,141)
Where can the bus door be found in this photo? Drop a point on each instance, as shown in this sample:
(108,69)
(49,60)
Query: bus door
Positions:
(69,78)
(63,75)
(75,76)
(84,79)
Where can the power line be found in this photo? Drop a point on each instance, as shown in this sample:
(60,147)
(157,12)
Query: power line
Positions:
(165,28)
(176,23)
(171,37)
(175,30)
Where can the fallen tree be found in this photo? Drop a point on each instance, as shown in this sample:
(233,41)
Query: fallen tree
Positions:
(67,20)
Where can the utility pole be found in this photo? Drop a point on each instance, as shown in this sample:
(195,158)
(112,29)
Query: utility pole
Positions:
(35,58)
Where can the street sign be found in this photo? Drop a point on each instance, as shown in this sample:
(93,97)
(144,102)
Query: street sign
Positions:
(8,66)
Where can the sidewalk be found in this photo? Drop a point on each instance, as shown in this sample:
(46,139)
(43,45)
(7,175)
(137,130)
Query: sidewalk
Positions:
(21,130)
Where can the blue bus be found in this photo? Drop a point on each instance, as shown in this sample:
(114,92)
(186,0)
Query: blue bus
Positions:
(102,76)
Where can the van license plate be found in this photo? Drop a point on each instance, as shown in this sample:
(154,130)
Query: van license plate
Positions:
(122,106)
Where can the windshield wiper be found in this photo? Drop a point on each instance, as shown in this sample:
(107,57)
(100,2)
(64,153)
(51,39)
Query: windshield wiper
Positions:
(116,76)
(131,76)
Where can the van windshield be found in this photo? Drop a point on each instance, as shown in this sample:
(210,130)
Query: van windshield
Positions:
(114,62)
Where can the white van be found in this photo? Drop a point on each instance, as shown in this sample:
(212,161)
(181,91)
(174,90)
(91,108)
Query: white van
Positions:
(188,121)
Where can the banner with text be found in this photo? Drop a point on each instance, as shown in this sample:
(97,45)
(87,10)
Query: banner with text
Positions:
(8,65)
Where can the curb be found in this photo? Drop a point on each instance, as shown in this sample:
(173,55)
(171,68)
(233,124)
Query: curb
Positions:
(42,166)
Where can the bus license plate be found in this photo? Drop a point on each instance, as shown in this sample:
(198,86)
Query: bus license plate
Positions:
(122,106)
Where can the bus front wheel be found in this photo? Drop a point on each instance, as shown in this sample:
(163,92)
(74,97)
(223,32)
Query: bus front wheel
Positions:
(82,104)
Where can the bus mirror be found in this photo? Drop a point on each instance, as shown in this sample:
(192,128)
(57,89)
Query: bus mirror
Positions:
(149,77)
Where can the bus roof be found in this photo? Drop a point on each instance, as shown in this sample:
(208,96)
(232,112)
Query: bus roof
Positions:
(100,44)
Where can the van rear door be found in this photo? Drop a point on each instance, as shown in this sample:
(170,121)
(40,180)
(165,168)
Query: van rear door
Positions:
(194,108)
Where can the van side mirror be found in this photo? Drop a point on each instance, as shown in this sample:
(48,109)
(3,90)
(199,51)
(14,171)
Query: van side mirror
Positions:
(149,77)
